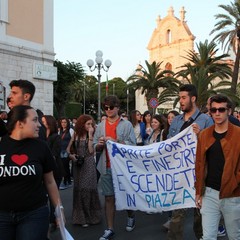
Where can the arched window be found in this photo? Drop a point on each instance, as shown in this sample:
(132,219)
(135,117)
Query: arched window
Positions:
(4,11)
(168,66)
(2,96)
(169,36)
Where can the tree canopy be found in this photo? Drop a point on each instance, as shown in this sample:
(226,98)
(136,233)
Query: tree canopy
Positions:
(207,71)
(227,31)
(151,79)
(70,76)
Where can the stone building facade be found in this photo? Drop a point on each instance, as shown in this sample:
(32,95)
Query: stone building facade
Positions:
(26,49)
(170,41)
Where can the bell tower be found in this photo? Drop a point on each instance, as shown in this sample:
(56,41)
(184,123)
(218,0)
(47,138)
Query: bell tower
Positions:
(169,43)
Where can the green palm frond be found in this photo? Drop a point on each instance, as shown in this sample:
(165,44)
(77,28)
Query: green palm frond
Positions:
(227,30)
(153,79)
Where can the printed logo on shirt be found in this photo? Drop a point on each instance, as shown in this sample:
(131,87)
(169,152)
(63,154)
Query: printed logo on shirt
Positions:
(19,159)
(21,169)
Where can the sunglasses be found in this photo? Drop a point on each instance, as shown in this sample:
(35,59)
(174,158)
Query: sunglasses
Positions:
(221,110)
(106,108)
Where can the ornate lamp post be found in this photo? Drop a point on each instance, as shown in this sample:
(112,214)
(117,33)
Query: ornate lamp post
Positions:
(99,65)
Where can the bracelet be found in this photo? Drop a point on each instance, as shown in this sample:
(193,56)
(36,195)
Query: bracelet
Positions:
(90,139)
(61,207)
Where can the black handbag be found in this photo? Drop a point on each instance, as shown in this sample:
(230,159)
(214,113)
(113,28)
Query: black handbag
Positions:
(80,159)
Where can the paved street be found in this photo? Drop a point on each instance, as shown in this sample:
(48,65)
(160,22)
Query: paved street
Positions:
(148,226)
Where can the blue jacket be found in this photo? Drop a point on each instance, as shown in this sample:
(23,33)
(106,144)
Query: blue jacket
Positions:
(143,131)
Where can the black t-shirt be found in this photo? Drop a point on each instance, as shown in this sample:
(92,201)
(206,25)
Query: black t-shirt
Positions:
(216,161)
(22,165)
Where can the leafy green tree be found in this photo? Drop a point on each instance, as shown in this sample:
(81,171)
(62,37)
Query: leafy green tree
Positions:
(151,79)
(70,74)
(119,87)
(91,95)
(228,33)
(116,86)
(207,71)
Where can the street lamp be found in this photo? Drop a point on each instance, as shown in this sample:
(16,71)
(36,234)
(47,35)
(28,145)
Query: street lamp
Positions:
(99,65)
(84,98)
(127,101)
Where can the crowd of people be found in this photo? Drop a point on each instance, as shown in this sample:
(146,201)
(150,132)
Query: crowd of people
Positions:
(57,154)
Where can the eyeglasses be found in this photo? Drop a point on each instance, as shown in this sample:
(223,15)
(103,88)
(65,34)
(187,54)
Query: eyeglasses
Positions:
(221,110)
(106,108)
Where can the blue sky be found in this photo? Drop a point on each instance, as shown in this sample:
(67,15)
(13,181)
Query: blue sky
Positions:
(121,29)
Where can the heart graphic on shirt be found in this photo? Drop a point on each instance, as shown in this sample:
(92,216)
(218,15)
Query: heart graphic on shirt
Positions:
(19,159)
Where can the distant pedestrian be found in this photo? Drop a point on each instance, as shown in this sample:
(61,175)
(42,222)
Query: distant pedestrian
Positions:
(158,125)
(138,126)
(66,133)
(54,143)
(147,119)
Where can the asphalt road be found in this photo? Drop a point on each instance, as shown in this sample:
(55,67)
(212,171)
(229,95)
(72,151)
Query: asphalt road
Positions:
(148,226)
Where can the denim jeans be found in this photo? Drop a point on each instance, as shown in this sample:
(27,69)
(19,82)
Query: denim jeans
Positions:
(30,225)
(211,210)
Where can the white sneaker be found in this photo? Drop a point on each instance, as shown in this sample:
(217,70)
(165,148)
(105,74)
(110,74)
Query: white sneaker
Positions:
(221,231)
(130,224)
(108,234)
(166,225)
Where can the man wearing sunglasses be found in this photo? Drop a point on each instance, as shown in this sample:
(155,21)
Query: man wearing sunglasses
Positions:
(116,129)
(191,115)
(218,172)
(231,118)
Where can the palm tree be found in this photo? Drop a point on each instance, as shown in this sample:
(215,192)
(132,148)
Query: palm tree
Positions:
(228,28)
(206,71)
(150,80)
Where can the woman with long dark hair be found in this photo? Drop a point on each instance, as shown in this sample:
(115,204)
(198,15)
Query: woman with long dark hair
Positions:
(66,133)
(158,125)
(28,166)
(170,116)
(147,119)
(54,143)
(86,203)
(138,126)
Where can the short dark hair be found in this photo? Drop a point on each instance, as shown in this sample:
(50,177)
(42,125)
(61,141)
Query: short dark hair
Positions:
(25,85)
(111,100)
(17,113)
(190,88)
(147,112)
(220,98)
(174,112)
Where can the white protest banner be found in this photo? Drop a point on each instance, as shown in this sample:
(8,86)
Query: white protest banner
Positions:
(65,235)
(156,177)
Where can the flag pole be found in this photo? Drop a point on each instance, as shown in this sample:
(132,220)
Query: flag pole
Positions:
(106,84)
